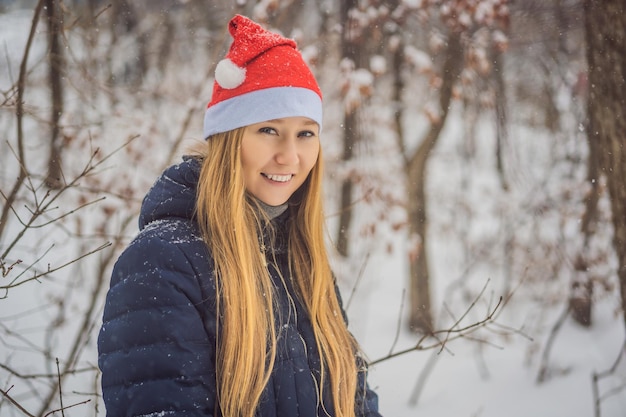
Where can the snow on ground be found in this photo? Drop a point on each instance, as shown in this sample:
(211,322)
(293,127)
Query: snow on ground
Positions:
(488,381)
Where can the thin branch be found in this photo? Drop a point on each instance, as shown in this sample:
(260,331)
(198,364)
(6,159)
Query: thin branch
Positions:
(14,402)
(596,376)
(423,377)
(88,322)
(69,213)
(11,284)
(44,205)
(92,20)
(473,304)
(398,323)
(47,376)
(191,110)
(60,387)
(353,203)
(28,345)
(38,275)
(358,280)
(452,333)
(19,114)
(464,315)
(8,59)
(66,408)
(544,367)
(38,212)
(506,330)
(7,269)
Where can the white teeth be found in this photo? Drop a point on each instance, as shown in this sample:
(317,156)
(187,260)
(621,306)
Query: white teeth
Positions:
(279,178)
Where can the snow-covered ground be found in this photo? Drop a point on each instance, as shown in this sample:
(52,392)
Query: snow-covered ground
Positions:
(472,379)
(491,377)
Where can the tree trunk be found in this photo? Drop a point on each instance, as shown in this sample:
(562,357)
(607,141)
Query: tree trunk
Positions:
(421,318)
(605,27)
(501,116)
(350,137)
(54,17)
(351,48)
(581,289)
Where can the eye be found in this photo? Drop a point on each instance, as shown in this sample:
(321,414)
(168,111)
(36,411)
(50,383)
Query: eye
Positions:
(307,134)
(268,130)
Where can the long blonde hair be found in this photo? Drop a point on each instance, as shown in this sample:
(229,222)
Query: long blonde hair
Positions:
(246,346)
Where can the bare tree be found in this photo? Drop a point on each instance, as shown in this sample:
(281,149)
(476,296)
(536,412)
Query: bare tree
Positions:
(20,88)
(421,318)
(454,56)
(605,25)
(353,42)
(54,17)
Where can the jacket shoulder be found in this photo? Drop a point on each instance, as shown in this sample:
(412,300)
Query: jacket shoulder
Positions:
(167,242)
(167,253)
(156,343)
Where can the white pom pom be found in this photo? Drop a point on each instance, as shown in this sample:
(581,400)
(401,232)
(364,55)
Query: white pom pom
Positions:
(228,75)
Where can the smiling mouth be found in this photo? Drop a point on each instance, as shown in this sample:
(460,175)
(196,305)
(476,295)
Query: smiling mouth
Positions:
(278,178)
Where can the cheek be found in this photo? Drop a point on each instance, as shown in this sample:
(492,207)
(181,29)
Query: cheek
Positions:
(311,156)
(248,166)
(245,164)
(250,155)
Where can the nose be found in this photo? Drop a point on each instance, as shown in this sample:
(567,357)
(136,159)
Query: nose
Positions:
(287,152)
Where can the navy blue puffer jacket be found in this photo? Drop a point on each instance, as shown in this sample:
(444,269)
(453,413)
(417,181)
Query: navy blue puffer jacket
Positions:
(157,341)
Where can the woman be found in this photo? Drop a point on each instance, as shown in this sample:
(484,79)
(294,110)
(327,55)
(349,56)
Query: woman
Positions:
(225,304)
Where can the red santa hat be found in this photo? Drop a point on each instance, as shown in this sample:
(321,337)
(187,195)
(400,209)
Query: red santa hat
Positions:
(263,77)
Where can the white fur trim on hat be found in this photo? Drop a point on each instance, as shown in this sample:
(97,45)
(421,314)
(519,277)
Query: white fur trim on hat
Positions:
(262,105)
(228,74)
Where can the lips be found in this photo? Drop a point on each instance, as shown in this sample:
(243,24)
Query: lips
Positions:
(278,177)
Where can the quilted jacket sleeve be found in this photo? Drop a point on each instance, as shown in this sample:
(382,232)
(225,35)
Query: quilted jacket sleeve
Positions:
(156,344)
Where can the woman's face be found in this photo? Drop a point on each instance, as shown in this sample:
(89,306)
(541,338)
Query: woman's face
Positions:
(277,156)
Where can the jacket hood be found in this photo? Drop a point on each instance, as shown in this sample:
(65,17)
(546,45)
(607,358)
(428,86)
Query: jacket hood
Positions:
(173,195)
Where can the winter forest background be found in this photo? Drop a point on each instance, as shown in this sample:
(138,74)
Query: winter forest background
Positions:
(475,187)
